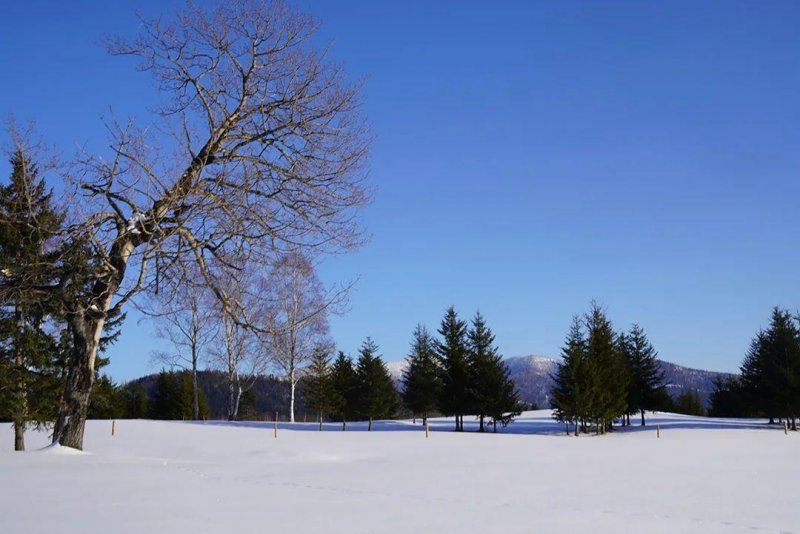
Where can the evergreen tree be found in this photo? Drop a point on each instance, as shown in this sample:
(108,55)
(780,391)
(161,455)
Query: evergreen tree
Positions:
(452,352)
(771,369)
(189,393)
(608,369)
(422,379)
(492,391)
(689,403)
(343,389)
(377,397)
(572,389)
(28,225)
(107,400)
(137,404)
(317,389)
(728,399)
(646,376)
(168,398)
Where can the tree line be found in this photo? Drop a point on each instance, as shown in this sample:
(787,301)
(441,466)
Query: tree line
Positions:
(460,373)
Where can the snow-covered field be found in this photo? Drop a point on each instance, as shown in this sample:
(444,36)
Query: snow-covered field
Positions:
(702,475)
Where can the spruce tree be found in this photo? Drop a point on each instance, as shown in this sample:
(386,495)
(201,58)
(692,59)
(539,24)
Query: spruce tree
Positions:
(492,391)
(422,379)
(317,388)
(28,225)
(771,369)
(377,397)
(343,389)
(608,369)
(168,397)
(572,382)
(645,375)
(452,352)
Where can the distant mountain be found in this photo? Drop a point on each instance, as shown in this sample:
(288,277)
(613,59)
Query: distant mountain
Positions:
(532,376)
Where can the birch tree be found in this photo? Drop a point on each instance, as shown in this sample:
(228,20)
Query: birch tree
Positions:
(185,320)
(257,149)
(298,314)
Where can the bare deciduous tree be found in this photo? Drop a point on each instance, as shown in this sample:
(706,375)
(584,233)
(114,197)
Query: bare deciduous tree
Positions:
(185,319)
(297,313)
(260,151)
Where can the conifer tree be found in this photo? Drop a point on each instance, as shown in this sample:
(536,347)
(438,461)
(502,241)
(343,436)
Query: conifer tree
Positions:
(771,370)
(28,225)
(608,369)
(377,397)
(452,352)
(343,389)
(570,397)
(318,394)
(492,391)
(168,397)
(646,376)
(422,379)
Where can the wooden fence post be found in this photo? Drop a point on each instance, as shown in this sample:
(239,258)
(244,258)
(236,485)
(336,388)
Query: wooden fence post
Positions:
(113,427)
(786,428)
(658,431)
(427,427)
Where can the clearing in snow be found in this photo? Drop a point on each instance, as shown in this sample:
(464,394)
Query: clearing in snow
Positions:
(701,475)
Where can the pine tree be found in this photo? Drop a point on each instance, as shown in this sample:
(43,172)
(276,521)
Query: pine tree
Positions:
(168,397)
(492,391)
(377,397)
(646,376)
(728,399)
(422,379)
(28,225)
(570,397)
(771,369)
(317,389)
(608,369)
(343,389)
(452,352)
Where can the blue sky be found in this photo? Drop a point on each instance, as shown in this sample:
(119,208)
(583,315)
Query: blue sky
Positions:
(528,157)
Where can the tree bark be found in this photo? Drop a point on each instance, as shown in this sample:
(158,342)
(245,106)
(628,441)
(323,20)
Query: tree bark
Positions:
(80,379)
(21,409)
(643,418)
(320,421)
(195,388)
(344,424)
(369,427)
(292,384)
(481,428)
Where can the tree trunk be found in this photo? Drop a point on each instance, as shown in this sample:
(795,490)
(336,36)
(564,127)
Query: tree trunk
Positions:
(481,428)
(320,421)
(344,424)
(643,418)
(80,379)
(369,427)
(21,408)
(292,385)
(794,424)
(195,388)
(494,423)
(424,418)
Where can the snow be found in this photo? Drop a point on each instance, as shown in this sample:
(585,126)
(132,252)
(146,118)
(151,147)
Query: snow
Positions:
(702,475)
